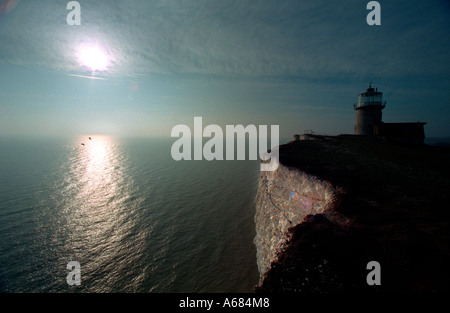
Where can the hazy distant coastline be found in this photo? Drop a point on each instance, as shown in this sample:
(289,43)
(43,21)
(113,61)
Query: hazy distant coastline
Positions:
(432,141)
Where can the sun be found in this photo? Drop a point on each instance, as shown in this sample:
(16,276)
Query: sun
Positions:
(93,57)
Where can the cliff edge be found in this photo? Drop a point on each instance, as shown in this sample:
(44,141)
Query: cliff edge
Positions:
(337,203)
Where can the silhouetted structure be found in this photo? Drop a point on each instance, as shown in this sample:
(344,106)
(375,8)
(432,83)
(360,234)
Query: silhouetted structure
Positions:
(401,132)
(368,111)
(369,120)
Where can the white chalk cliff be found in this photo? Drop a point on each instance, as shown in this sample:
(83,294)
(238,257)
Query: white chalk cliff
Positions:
(284,198)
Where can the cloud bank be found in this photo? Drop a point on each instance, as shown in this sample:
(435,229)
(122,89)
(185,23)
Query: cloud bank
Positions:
(251,38)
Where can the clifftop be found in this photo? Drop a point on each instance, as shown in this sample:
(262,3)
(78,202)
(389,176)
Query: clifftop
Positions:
(390,206)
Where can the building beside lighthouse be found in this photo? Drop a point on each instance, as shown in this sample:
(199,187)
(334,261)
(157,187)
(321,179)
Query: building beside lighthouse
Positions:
(369,121)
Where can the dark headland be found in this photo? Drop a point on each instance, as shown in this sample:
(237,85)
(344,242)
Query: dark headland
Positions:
(391,206)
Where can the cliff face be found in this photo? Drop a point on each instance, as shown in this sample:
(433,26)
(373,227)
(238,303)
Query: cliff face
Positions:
(333,206)
(284,199)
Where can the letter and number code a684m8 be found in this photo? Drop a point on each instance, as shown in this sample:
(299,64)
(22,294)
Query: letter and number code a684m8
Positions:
(225,303)
(246,303)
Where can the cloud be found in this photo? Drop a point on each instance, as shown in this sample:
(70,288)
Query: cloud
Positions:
(253,38)
(85,76)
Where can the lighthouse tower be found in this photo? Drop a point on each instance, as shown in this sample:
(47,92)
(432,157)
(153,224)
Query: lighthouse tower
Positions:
(368,111)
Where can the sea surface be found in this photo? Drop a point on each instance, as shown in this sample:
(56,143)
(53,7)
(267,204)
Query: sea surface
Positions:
(132,217)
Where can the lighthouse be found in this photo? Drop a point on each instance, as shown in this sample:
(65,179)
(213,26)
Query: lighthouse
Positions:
(368,111)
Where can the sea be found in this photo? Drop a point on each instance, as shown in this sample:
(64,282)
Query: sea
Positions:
(135,220)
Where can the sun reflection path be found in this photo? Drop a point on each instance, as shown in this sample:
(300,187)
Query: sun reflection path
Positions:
(100,217)
(97,219)
(98,179)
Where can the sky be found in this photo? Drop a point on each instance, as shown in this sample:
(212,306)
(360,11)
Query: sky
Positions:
(297,64)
